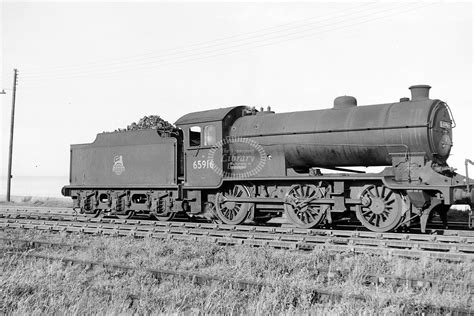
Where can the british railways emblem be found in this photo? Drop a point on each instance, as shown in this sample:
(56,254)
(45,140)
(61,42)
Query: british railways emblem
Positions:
(118,167)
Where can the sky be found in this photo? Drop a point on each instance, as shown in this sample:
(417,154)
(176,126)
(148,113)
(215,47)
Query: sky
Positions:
(89,67)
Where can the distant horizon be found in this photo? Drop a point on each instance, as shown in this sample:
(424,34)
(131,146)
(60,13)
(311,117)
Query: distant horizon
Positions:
(36,176)
(17,197)
(35,185)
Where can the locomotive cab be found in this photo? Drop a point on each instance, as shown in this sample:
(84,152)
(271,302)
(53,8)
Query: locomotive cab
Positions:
(204,134)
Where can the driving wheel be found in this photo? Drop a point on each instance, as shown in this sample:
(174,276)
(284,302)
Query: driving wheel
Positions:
(381,208)
(232,212)
(300,207)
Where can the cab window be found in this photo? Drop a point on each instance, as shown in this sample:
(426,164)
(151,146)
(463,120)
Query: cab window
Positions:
(195,136)
(210,135)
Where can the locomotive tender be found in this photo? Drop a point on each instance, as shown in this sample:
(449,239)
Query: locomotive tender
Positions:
(238,165)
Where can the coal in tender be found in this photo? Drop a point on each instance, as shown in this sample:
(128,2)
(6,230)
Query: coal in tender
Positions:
(151,122)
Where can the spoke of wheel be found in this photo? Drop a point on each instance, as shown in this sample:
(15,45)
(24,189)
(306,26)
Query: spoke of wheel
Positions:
(390,193)
(321,192)
(301,217)
(376,192)
(306,217)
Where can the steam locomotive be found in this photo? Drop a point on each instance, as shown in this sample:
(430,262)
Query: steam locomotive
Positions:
(239,165)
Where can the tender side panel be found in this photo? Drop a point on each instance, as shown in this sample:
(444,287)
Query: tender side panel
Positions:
(113,159)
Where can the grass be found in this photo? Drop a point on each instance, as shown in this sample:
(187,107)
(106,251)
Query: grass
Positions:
(32,286)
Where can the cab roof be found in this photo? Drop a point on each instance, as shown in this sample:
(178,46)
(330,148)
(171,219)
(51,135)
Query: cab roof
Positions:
(206,116)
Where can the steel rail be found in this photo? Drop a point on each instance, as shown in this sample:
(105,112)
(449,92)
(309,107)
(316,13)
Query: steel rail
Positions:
(463,235)
(394,240)
(52,213)
(461,250)
(327,274)
(318,294)
(36,208)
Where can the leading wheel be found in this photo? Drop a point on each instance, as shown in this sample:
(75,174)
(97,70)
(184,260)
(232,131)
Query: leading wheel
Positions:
(299,206)
(231,212)
(381,209)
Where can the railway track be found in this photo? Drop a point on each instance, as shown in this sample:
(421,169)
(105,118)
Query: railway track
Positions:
(324,275)
(456,228)
(38,209)
(455,248)
(318,293)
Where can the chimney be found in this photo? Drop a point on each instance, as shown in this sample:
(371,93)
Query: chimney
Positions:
(420,92)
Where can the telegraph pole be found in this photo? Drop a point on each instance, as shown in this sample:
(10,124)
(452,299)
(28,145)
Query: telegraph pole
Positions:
(12,124)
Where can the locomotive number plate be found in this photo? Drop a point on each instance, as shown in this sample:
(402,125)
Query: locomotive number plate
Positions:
(203,164)
(444,124)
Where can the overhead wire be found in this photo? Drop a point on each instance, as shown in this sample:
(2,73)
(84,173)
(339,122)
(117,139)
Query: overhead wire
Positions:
(200,45)
(192,52)
(261,45)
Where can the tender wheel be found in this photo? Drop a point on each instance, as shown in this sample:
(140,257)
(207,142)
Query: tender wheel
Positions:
(381,209)
(125,214)
(92,213)
(161,210)
(163,218)
(230,212)
(299,207)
